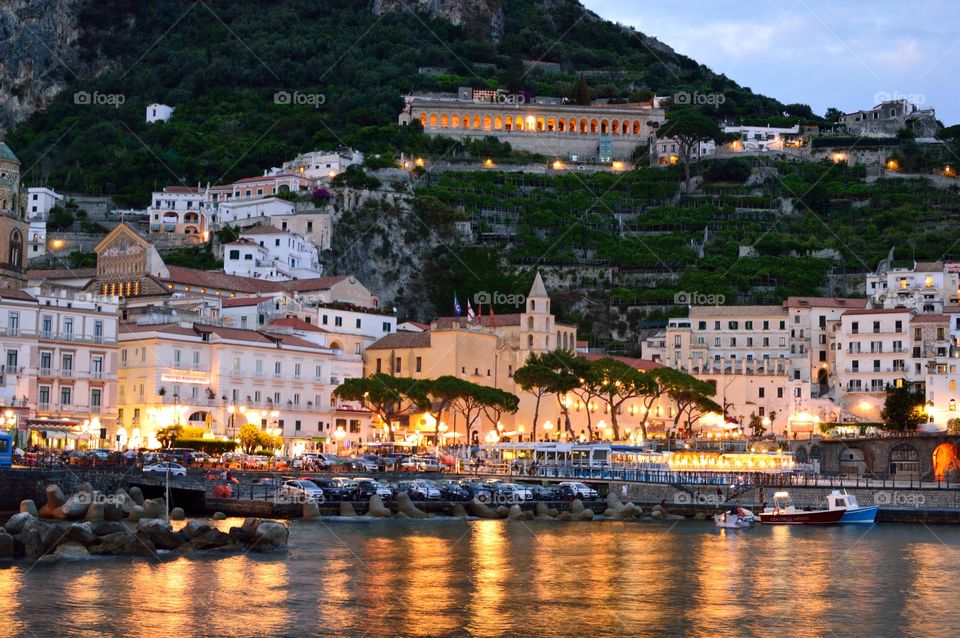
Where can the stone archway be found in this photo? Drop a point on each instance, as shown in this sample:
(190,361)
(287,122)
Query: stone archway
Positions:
(903,462)
(945,462)
(853,461)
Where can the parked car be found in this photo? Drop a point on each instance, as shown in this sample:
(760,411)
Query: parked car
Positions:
(336,490)
(582,490)
(420,490)
(544,492)
(175,469)
(479,491)
(367,487)
(422,464)
(452,491)
(302,489)
(367,463)
(514,492)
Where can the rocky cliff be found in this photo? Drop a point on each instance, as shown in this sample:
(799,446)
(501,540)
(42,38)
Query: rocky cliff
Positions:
(477,17)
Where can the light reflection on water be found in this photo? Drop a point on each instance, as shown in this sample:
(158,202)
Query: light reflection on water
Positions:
(498,578)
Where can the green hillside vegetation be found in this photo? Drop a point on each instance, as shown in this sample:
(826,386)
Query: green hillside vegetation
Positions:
(220,64)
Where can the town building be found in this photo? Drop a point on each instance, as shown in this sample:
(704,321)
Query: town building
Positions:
(13,222)
(760,138)
(323,165)
(667,151)
(178,210)
(924,287)
(602,132)
(890,117)
(40,200)
(265,252)
(158,113)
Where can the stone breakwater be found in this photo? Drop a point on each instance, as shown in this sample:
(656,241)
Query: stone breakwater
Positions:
(122,524)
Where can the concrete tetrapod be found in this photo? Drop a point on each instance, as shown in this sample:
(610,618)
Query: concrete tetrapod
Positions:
(406,506)
(517,514)
(542,512)
(617,510)
(481,510)
(377,508)
(346,509)
(310,511)
(579,512)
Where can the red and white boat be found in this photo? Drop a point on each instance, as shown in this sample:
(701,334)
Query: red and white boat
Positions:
(784,512)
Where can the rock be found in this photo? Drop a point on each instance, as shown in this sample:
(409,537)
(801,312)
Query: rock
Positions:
(71,550)
(458,511)
(155,508)
(76,506)
(7,546)
(55,497)
(195,528)
(554,512)
(159,532)
(271,535)
(136,494)
(82,533)
(218,516)
(108,527)
(618,510)
(311,511)
(17,521)
(565,516)
(246,533)
(377,508)
(576,506)
(515,513)
(346,509)
(656,514)
(406,506)
(211,538)
(400,515)
(123,544)
(136,513)
(112,512)
(38,537)
(28,506)
(542,512)
(95,512)
(85,488)
(502,511)
(482,510)
(177,514)
(122,500)
(700,516)
(585,515)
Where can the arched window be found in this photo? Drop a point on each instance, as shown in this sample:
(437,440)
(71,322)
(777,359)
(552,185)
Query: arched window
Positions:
(466,121)
(529,323)
(540,124)
(518,123)
(530,341)
(487,123)
(444,120)
(455,121)
(15,253)
(593,126)
(547,340)
(476,121)
(615,127)
(583,125)
(433,120)
(604,126)
(573,125)
(636,127)
(625,127)
(423,120)
(561,125)
(551,125)
(497,123)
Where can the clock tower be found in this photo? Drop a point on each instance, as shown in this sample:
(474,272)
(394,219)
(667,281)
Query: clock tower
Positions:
(13,223)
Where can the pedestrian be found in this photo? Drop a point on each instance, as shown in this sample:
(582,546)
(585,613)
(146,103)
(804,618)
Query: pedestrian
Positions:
(623,491)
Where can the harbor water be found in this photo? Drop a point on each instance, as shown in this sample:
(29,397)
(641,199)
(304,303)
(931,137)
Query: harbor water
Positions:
(444,577)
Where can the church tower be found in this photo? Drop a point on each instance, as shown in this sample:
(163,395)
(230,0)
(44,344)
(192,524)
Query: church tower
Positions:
(536,324)
(13,223)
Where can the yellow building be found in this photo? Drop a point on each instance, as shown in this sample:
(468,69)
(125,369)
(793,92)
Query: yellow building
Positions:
(486,351)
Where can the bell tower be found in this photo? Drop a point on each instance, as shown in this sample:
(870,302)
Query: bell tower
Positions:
(536,324)
(13,223)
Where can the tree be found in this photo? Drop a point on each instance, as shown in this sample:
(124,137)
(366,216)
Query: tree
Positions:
(581,93)
(567,369)
(169,434)
(470,403)
(618,382)
(266,441)
(60,218)
(755,424)
(660,381)
(689,129)
(588,389)
(249,436)
(386,396)
(902,409)
(513,74)
(692,397)
(833,115)
(537,379)
(499,402)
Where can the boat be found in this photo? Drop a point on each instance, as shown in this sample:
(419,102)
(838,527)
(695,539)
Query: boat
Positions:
(853,514)
(731,520)
(784,512)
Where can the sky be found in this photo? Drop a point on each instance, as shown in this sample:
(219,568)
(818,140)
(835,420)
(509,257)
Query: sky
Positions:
(842,53)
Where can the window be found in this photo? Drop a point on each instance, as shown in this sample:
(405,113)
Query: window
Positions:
(13,324)
(196,359)
(702,325)
(917,334)
(11,360)
(898,326)
(277,369)
(66,365)
(95,395)
(677,341)
(296,372)
(716,341)
(396,366)
(234,254)
(419,362)
(66,395)
(732,325)
(876,326)
(783,342)
(43,396)
(783,325)
(766,325)
(176,358)
(46,359)
(855,327)
(762,392)
(386,326)
(236,364)
(96,367)
(748,325)
(779,393)
(338,321)
(324,321)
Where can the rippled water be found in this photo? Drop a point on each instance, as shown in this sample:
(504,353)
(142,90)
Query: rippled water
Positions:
(498,578)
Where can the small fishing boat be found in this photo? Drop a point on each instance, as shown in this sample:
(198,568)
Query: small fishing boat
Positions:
(853,514)
(731,520)
(784,512)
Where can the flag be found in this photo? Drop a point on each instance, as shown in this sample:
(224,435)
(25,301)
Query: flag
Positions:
(470,313)
(456,305)
(493,320)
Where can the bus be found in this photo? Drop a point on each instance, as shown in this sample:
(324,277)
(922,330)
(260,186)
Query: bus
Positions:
(6,450)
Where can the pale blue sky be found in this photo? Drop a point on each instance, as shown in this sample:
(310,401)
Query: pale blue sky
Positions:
(824,53)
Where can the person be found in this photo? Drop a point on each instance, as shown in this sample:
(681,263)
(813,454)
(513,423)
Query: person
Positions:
(623,491)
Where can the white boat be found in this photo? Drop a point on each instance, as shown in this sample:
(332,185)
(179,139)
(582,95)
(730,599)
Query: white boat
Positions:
(853,514)
(731,520)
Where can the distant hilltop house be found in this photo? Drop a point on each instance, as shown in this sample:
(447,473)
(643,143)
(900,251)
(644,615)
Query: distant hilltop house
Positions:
(40,200)
(265,252)
(888,118)
(548,126)
(761,138)
(159,113)
(322,165)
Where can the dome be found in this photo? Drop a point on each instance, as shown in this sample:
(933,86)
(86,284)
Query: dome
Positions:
(7,154)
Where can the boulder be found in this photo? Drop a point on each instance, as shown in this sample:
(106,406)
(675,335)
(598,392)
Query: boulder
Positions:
(136,513)
(136,494)
(177,514)
(542,512)
(656,514)
(218,516)
(406,506)
(82,533)
(159,532)
(112,512)
(28,506)
(17,521)
(515,513)
(122,500)
(76,507)
(38,537)
(502,511)
(311,511)
(565,516)
(123,544)
(155,508)
(585,515)
(7,546)
(576,506)
(245,534)
(271,535)
(700,516)
(211,538)
(195,528)
(554,512)
(481,510)
(346,509)
(618,510)
(71,550)
(108,527)
(95,512)
(458,511)
(377,508)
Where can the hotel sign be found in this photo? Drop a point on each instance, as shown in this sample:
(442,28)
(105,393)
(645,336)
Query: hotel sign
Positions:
(185,377)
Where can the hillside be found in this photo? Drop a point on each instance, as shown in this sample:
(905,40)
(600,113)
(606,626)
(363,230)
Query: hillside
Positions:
(221,63)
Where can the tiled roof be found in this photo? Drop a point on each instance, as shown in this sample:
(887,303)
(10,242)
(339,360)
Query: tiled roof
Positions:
(14,293)
(264,178)
(639,364)
(824,302)
(233,334)
(930,319)
(294,324)
(314,283)
(76,273)
(735,311)
(263,229)
(236,283)
(875,311)
(244,301)
(401,340)
(928,266)
(485,321)
(181,189)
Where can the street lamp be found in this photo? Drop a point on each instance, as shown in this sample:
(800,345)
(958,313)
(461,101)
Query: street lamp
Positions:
(546,428)
(338,434)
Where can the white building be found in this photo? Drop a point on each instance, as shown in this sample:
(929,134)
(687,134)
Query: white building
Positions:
(667,151)
(39,202)
(280,379)
(247,212)
(760,138)
(159,113)
(926,287)
(179,210)
(265,252)
(37,239)
(323,165)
